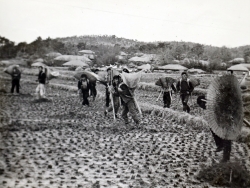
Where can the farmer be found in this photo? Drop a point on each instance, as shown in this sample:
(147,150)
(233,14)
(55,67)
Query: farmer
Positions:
(128,103)
(16,76)
(40,90)
(93,90)
(167,91)
(108,80)
(115,95)
(84,87)
(221,144)
(185,87)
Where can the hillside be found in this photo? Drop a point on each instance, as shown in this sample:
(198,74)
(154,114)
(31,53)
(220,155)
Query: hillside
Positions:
(107,48)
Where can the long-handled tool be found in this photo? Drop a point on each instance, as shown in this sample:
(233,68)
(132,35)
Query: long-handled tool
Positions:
(159,95)
(111,94)
(136,104)
(191,99)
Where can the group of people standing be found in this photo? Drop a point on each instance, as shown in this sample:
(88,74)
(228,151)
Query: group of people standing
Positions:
(120,95)
(40,89)
(184,86)
(117,93)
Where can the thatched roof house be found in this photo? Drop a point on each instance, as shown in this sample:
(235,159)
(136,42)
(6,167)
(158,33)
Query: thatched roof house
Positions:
(39,60)
(246,65)
(140,59)
(76,63)
(237,60)
(65,58)
(175,67)
(144,67)
(82,52)
(238,67)
(38,64)
(87,53)
(199,71)
(14,62)
(53,54)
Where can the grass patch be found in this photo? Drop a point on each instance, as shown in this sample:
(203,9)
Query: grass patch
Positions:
(231,174)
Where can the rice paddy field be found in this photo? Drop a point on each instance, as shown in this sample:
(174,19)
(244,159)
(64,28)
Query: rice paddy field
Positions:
(60,143)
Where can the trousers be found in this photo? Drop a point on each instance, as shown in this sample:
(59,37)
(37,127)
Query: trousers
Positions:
(40,91)
(184,100)
(15,83)
(131,108)
(167,99)
(225,144)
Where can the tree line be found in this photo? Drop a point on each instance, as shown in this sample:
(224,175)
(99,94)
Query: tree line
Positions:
(108,47)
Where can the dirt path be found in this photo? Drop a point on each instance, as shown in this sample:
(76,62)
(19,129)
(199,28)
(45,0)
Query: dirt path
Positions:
(62,144)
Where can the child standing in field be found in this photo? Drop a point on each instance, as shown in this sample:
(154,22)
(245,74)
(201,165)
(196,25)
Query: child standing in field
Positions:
(84,87)
(115,95)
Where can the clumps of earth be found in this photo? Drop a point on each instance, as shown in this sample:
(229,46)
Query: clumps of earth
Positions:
(60,143)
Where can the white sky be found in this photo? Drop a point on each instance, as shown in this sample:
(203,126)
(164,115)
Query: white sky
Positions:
(211,22)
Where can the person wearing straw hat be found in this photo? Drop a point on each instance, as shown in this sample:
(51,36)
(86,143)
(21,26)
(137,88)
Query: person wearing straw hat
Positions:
(222,144)
(16,76)
(186,88)
(40,90)
(116,96)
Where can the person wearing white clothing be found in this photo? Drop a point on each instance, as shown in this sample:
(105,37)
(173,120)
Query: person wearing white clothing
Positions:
(40,90)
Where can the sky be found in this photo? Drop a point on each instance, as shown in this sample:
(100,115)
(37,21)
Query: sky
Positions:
(214,22)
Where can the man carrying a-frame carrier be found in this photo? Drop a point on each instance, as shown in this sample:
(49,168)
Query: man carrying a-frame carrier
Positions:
(128,100)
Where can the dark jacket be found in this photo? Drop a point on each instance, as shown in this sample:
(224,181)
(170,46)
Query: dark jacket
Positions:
(84,90)
(125,95)
(116,93)
(184,86)
(41,77)
(16,75)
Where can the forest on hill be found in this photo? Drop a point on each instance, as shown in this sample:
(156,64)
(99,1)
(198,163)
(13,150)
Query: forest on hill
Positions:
(107,48)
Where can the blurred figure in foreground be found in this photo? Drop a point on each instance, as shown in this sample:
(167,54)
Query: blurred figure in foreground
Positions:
(222,144)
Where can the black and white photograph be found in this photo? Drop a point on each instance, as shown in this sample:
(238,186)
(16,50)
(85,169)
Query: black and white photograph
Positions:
(124,94)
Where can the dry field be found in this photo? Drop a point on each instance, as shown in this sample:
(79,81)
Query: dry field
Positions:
(59,143)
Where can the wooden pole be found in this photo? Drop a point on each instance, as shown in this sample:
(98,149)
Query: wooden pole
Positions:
(111,94)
